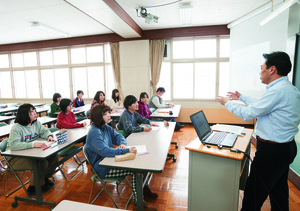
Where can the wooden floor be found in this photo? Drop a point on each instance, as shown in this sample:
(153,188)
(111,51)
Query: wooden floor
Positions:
(171,184)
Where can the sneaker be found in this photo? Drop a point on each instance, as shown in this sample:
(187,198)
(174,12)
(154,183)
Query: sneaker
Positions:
(31,189)
(49,182)
(149,193)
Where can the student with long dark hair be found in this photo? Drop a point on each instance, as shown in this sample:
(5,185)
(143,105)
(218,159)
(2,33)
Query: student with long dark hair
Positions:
(25,130)
(143,106)
(99,144)
(54,107)
(115,101)
(99,99)
(66,118)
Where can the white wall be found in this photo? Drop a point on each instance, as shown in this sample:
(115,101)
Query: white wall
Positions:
(135,67)
(249,41)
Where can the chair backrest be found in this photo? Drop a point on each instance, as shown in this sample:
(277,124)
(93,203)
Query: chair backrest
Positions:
(3,145)
(53,129)
(88,159)
(123,133)
(87,113)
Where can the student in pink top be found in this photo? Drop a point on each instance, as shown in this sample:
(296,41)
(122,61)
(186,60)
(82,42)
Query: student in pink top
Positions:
(66,118)
(143,106)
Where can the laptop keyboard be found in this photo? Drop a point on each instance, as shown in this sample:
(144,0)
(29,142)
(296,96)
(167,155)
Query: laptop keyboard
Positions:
(217,138)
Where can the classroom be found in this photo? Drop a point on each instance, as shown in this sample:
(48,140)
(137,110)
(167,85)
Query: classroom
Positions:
(62,46)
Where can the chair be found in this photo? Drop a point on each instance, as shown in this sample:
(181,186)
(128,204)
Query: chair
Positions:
(96,177)
(10,168)
(65,152)
(121,131)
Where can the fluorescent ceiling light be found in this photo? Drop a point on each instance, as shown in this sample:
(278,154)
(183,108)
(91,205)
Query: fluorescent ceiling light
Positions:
(49,29)
(285,5)
(185,11)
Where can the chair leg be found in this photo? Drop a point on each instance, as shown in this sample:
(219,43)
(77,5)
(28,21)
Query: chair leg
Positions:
(91,190)
(75,175)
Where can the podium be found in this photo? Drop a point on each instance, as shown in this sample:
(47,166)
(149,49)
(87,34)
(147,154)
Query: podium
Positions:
(216,175)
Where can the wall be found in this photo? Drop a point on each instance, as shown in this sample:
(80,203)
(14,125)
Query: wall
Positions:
(135,67)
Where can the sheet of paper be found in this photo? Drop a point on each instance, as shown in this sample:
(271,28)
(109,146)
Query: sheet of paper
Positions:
(228,128)
(154,128)
(50,143)
(140,149)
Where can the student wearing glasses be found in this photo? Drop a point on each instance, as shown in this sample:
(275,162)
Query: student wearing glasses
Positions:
(25,130)
(66,118)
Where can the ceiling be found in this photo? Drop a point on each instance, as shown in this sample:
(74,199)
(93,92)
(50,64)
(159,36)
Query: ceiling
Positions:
(94,17)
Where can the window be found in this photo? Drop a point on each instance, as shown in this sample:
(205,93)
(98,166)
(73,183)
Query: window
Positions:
(41,73)
(198,68)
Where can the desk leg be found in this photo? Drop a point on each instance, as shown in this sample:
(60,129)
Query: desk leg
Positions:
(39,197)
(139,189)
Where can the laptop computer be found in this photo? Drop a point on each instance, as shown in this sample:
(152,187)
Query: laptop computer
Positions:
(207,136)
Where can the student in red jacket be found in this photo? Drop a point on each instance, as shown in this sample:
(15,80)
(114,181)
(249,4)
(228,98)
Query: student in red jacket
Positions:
(66,118)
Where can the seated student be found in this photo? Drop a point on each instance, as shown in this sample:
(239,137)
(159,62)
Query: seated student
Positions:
(115,101)
(156,101)
(54,107)
(66,118)
(99,144)
(99,99)
(78,101)
(23,132)
(143,106)
(130,120)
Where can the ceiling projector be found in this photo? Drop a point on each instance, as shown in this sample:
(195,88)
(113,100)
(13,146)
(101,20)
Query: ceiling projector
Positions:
(142,11)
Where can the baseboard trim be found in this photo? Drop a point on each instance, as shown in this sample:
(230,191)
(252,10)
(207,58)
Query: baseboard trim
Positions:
(294,178)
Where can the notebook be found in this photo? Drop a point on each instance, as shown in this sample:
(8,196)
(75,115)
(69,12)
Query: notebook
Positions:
(207,136)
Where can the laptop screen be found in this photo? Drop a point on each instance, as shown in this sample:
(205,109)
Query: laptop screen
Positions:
(200,123)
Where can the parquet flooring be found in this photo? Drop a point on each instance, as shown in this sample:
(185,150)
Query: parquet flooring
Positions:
(171,184)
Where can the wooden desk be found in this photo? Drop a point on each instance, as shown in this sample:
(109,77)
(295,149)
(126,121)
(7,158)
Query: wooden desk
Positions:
(78,206)
(216,175)
(37,154)
(164,112)
(157,144)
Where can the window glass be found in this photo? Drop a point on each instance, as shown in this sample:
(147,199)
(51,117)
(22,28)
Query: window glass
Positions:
(60,56)
(224,47)
(32,84)
(205,48)
(19,81)
(48,83)
(94,54)
(30,59)
(95,80)
(79,80)
(78,55)
(183,80)
(5,85)
(165,80)
(62,82)
(46,58)
(4,62)
(17,59)
(224,78)
(107,53)
(183,49)
(205,80)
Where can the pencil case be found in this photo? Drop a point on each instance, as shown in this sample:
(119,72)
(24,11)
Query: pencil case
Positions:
(62,137)
(127,156)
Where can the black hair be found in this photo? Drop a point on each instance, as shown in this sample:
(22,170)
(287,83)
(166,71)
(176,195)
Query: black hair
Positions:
(280,60)
(129,100)
(160,89)
(55,96)
(80,91)
(113,95)
(64,103)
(97,114)
(23,114)
(97,95)
(142,95)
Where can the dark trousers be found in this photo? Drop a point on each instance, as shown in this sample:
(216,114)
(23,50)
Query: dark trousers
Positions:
(268,176)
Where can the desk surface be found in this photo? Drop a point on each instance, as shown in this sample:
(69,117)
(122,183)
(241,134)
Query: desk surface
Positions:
(78,206)
(118,113)
(157,144)
(6,118)
(74,134)
(241,143)
(164,112)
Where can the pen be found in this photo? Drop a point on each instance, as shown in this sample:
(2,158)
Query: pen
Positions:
(144,153)
(46,148)
(147,125)
(54,145)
